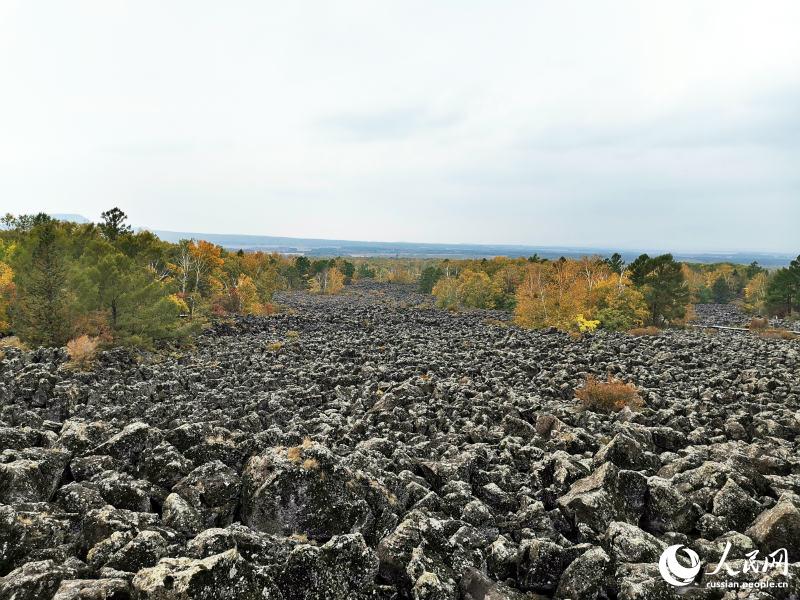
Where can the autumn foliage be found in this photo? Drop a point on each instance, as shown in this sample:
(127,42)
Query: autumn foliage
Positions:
(82,350)
(327,281)
(567,294)
(7,289)
(610,395)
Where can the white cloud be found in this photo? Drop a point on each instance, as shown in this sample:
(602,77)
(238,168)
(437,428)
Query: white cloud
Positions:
(446,121)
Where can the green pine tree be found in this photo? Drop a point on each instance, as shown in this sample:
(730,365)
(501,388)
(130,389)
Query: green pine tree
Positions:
(663,285)
(40,314)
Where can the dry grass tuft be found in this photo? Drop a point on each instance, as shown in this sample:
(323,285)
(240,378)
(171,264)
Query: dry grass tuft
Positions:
(758,323)
(292,334)
(82,351)
(294,454)
(274,346)
(12,341)
(644,331)
(311,464)
(610,395)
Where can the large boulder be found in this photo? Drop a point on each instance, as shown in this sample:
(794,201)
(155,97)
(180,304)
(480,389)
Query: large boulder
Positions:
(666,509)
(94,589)
(778,527)
(627,543)
(181,516)
(36,580)
(586,576)
(98,524)
(128,552)
(225,576)
(35,532)
(629,449)
(426,556)
(735,506)
(607,495)
(342,568)
(128,444)
(212,489)
(31,475)
(543,562)
(304,490)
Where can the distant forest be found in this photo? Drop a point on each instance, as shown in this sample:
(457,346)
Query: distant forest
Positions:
(104,282)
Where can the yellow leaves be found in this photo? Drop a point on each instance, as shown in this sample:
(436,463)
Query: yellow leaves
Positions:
(474,289)
(585,325)
(446,293)
(207,253)
(578,296)
(82,351)
(7,290)
(335,281)
(622,305)
(756,290)
(552,294)
(248,295)
(179,302)
(328,281)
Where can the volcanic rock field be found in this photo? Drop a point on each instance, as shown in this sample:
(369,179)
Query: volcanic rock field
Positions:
(368,445)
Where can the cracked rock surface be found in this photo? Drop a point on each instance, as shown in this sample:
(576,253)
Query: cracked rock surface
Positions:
(386,449)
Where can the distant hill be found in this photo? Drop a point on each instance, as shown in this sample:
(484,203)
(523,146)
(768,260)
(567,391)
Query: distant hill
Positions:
(323,247)
(73,218)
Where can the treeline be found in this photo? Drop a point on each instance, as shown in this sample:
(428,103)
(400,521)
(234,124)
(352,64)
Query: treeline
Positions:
(591,292)
(61,280)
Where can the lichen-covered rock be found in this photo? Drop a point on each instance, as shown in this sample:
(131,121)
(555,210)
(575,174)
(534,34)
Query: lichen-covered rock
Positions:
(734,506)
(426,555)
(303,490)
(778,527)
(94,589)
(181,516)
(31,475)
(143,550)
(98,524)
(225,576)
(36,532)
(667,509)
(586,576)
(641,581)
(79,498)
(627,543)
(608,494)
(474,585)
(543,563)
(35,580)
(342,568)
(448,445)
(128,444)
(212,490)
(629,449)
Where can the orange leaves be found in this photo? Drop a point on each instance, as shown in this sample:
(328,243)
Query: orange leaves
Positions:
(610,395)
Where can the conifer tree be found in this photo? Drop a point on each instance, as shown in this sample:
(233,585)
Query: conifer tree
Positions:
(40,314)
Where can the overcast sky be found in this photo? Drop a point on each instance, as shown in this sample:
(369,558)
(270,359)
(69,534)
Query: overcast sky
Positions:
(656,125)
